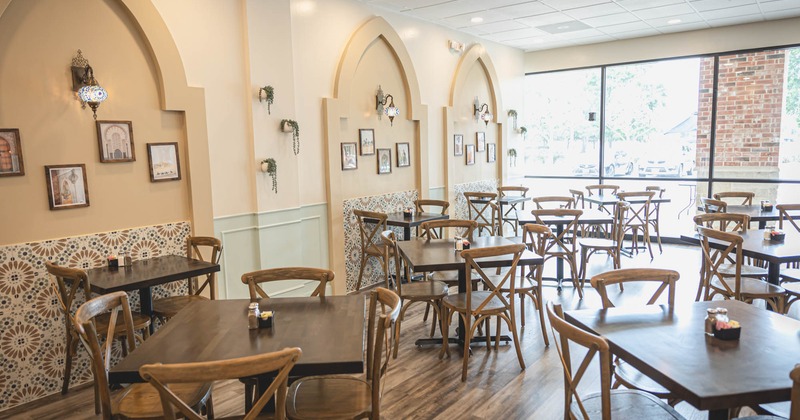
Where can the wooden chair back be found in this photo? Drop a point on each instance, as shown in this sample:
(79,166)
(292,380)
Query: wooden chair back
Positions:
(370,224)
(602,189)
(666,278)
(380,340)
(389,240)
(420,205)
(783,214)
(620,214)
(713,258)
(499,287)
(464,228)
(536,237)
(638,213)
(160,376)
(655,208)
(254,279)
(594,344)
(195,245)
(554,202)
(100,355)
(513,191)
(561,242)
(577,196)
(746,196)
(726,222)
(68,282)
(711,205)
(483,209)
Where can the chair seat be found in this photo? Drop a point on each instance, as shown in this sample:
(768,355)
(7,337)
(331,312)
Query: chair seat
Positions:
(597,243)
(751,287)
(626,404)
(140,322)
(424,290)
(747,270)
(143,401)
(459,302)
(520,284)
(792,288)
(329,397)
(631,378)
(170,306)
(376,250)
(792,274)
(778,410)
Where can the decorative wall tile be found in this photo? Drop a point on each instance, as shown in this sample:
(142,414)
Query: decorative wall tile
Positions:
(385,203)
(32,327)
(460,210)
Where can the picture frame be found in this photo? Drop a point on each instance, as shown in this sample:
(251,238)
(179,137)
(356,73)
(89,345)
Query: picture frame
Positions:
(164,161)
(480,141)
(66,186)
(115,141)
(491,152)
(366,140)
(11,163)
(403,154)
(470,152)
(458,145)
(384,161)
(349,156)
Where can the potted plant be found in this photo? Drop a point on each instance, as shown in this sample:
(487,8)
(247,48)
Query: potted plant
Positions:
(270,167)
(291,125)
(269,96)
(512,157)
(524,131)
(512,113)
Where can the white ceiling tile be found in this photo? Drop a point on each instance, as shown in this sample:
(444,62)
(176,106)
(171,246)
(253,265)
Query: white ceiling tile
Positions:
(732,12)
(626,27)
(705,5)
(572,4)
(586,33)
(684,19)
(683,27)
(453,8)
(516,34)
(774,6)
(412,4)
(610,20)
(646,4)
(636,34)
(460,21)
(530,8)
(663,11)
(547,19)
(506,25)
(595,11)
(738,20)
(783,14)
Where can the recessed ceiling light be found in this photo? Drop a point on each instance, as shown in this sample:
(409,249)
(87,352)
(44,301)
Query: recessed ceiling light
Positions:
(476,19)
(562,27)
(674,21)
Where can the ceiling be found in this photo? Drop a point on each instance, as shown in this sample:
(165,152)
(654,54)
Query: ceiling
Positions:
(546,24)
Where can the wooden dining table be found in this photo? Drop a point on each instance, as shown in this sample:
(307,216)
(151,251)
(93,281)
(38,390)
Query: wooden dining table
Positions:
(668,344)
(603,200)
(758,215)
(509,200)
(755,246)
(401,220)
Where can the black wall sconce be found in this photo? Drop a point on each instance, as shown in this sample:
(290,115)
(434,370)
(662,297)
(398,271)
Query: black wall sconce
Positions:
(592,116)
(89,91)
(391,111)
(482,111)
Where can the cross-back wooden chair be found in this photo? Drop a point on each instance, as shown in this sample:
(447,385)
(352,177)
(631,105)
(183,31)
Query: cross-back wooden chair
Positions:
(255,279)
(746,196)
(611,246)
(564,245)
(460,227)
(68,281)
(429,292)
(609,403)
(483,209)
(316,397)
(601,189)
(790,276)
(139,400)
(655,213)
(481,305)
(165,377)
(711,205)
(554,202)
(370,226)
(725,279)
(638,217)
(510,214)
(783,215)
(782,410)
(578,197)
(434,206)
(168,307)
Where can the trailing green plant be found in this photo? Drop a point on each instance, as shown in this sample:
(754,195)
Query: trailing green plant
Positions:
(524,131)
(269,94)
(512,152)
(512,157)
(272,170)
(295,134)
(512,113)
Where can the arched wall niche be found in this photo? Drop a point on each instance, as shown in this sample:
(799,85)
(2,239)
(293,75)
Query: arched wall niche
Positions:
(374,55)
(475,76)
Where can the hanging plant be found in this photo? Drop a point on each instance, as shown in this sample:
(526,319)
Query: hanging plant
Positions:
(512,113)
(269,96)
(512,157)
(271,167)
(524,131)
(295,134)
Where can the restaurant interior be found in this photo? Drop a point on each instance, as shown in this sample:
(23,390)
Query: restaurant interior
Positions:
(494,209)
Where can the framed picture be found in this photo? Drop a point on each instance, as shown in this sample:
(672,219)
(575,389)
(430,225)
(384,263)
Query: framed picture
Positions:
(349,156)
(403,155)
(66,186)
(10,153)
(366,138)
(470,154)
(384,161)
(164,162)
(115,140)
(480,140)
(491,152)
(458,145)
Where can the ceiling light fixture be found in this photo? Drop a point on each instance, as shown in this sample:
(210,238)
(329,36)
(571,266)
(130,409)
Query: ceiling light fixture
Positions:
(674,21)
(476,19)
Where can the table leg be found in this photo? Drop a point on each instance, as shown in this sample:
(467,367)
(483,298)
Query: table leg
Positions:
(721,414)
(407,233)
(762,224)
(559,261)
(773,272)
(146,303)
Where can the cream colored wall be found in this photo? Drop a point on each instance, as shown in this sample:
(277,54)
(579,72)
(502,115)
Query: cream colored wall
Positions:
(475,84)
(37,42)
(728,38)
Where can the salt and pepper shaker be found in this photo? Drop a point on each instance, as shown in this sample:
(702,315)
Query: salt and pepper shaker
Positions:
(253,314)
(711,319)
(127,260)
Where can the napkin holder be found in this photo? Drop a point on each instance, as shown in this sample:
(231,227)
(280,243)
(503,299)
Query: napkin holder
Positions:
(728,334)
(777,236)
(266,319)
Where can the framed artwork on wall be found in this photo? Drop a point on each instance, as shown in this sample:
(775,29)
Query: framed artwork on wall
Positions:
(491,152)
(349,156)
(366,138)
(164,162)
(480,140)
(67,186)
(403,155)
(11,153)
(115,141)
(384,161)
(470,154)
(458,145)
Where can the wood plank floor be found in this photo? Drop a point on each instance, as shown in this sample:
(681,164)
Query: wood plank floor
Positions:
(421,386)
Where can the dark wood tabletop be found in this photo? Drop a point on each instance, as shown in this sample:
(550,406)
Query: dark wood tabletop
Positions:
(399,219)
(755,246)
(589,217)
(605,200)
(669,345)
(330,331)
(758,215)
(147,273)
(426,255)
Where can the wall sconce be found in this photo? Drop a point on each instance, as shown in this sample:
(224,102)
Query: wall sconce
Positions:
(592,116)
(83,82)
(391,111)
(482,111)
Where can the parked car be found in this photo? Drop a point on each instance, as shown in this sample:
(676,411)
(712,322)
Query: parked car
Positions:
(668,163)
(620,165)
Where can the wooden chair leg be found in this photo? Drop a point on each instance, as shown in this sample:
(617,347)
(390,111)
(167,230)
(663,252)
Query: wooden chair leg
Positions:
(361,271)
(541,316)
(467,339)
(72,348)
(397,328)
(497,335)
(445,315)
(434,320)
(584,258)
(488,333)
(514,336)
(573,267)
(522,307)
(427,308)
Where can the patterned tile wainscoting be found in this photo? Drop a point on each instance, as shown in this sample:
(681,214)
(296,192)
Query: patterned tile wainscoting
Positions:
(459,209)
(385,203)
(31,323)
